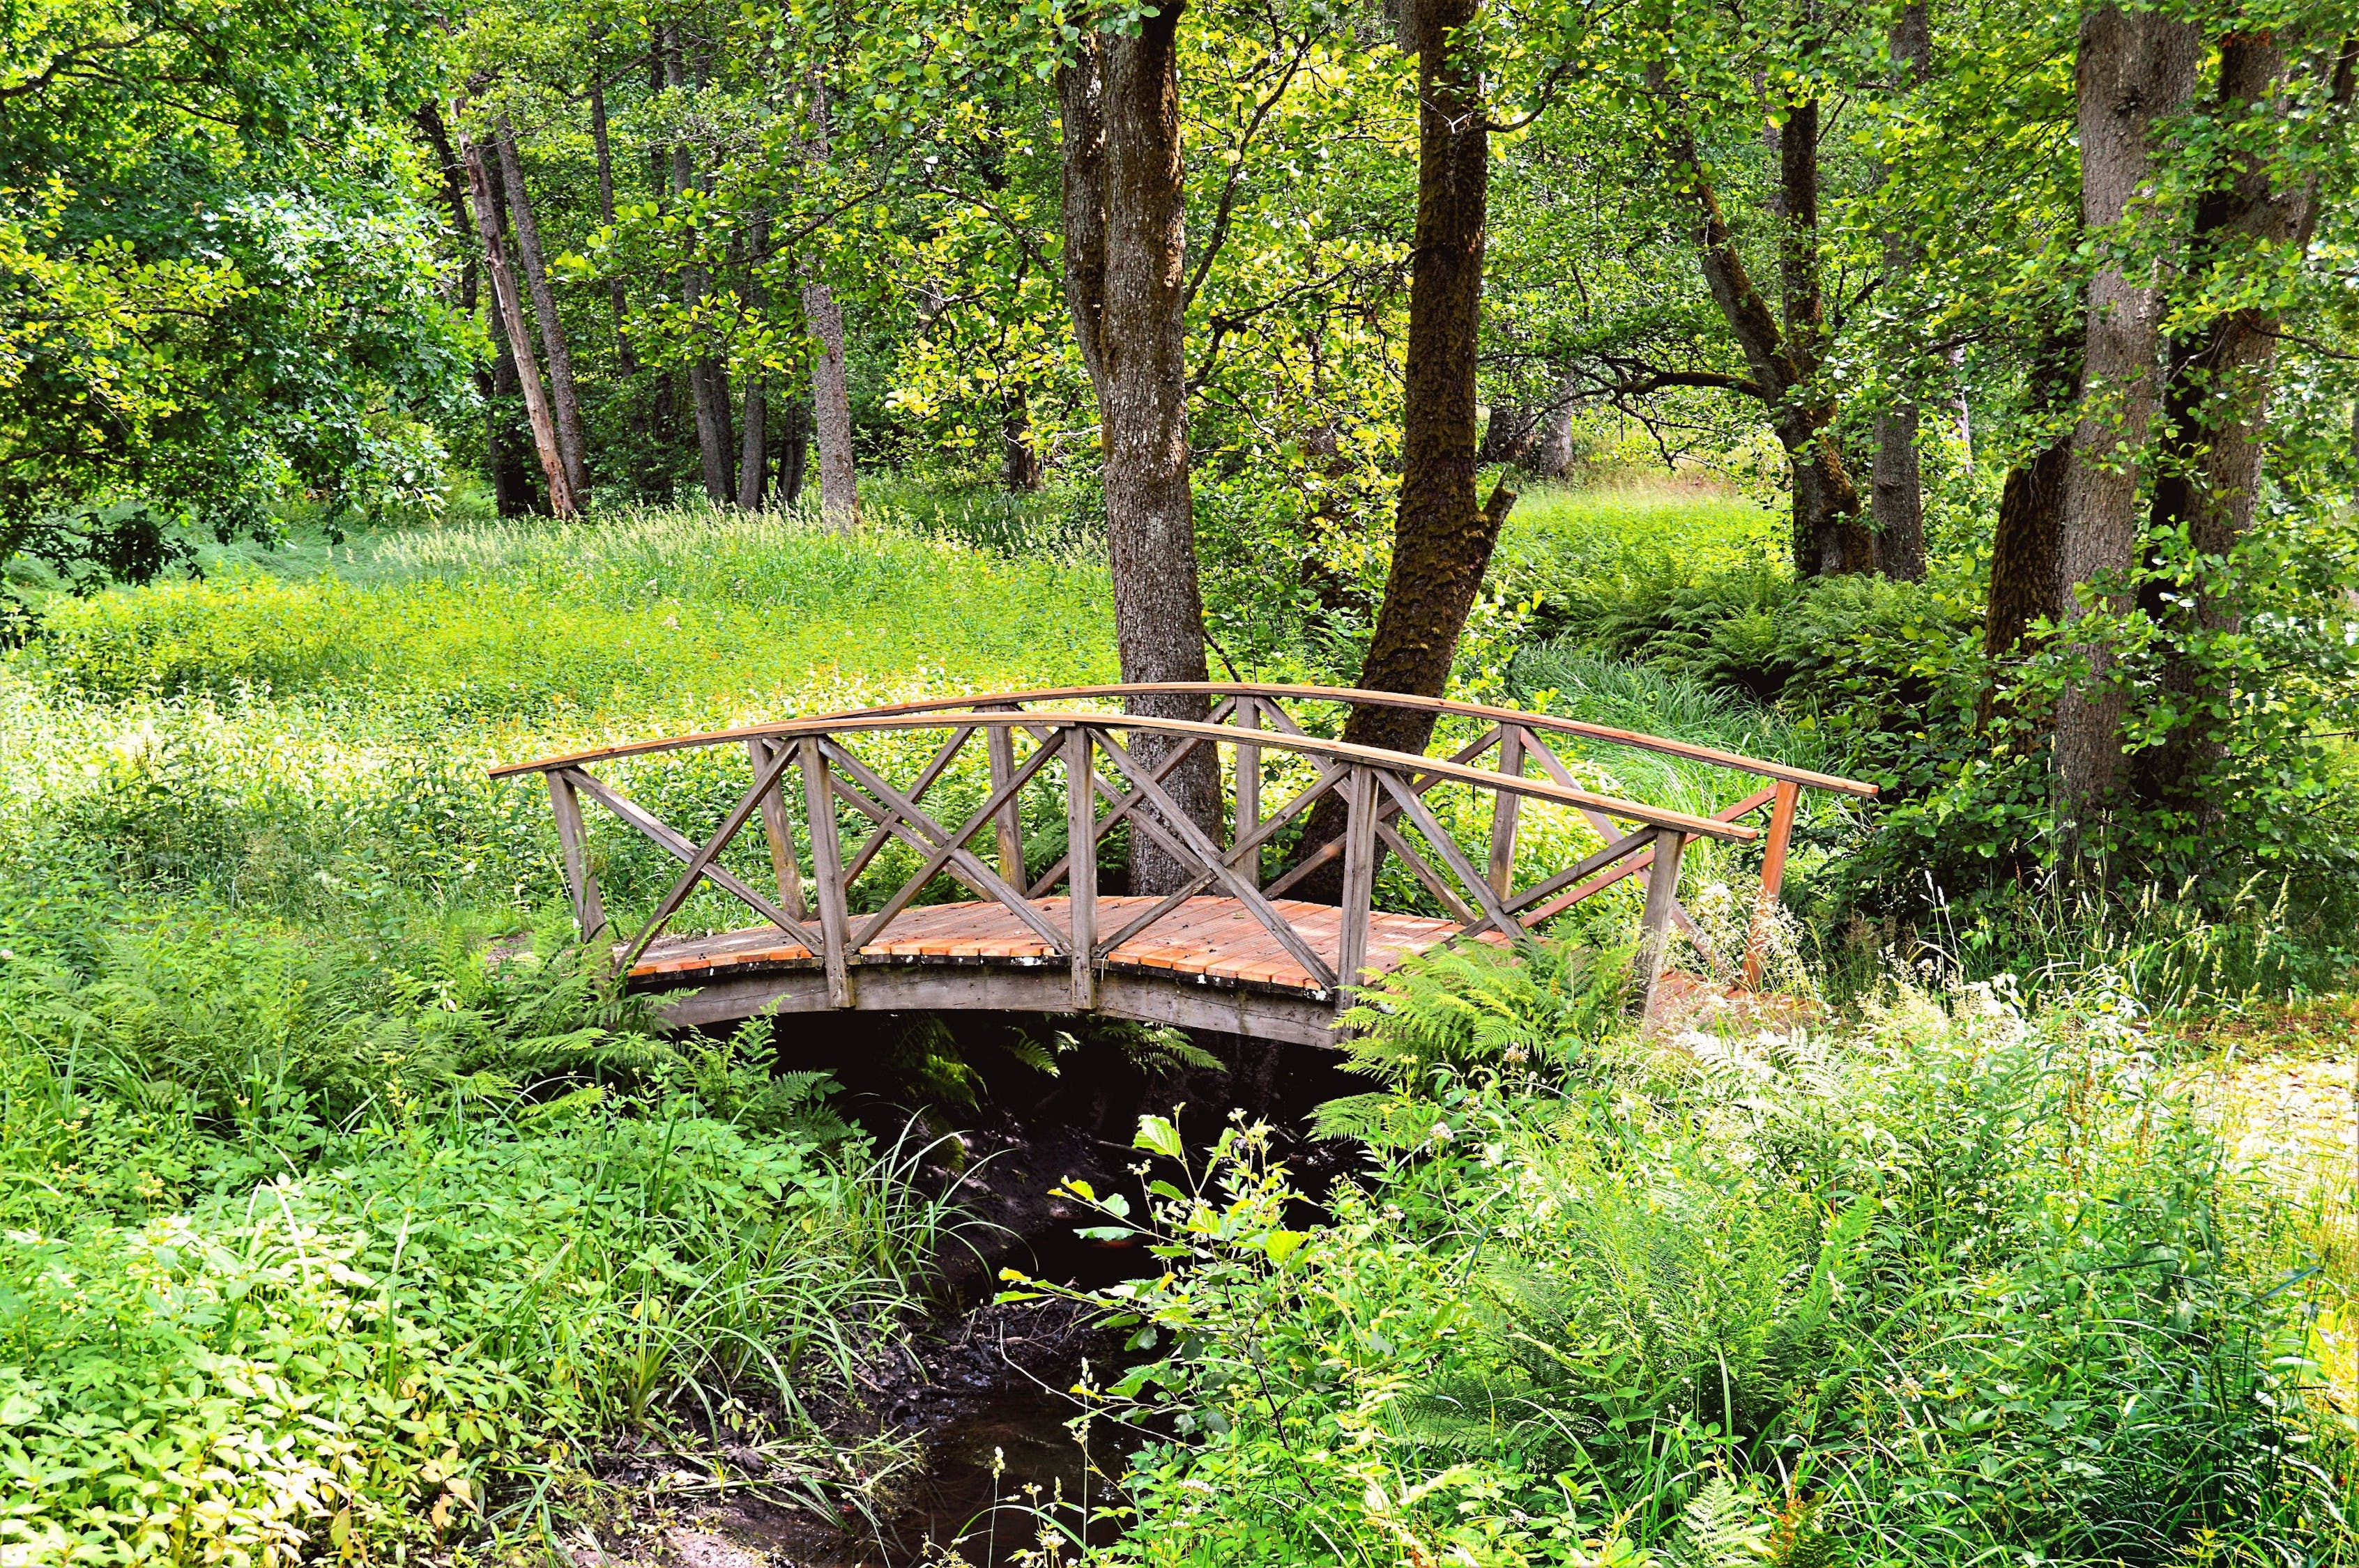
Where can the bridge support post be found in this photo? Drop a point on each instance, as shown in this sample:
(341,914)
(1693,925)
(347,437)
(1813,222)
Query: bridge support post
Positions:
(826,872)
(1248,812)
(1081,865)
(1504,811)
(778,830)
(1000,742)
(1359,883)
(1655,925)
(573,845)
(1773,877)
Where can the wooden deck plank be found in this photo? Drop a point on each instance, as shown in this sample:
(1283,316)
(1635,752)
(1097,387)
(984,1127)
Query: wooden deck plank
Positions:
(1207,937)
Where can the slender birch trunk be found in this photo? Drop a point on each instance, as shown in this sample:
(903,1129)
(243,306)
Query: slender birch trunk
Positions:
(564,401)
(511,312)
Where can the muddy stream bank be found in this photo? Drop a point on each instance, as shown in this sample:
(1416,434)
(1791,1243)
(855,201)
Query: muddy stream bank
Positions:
(980,1398)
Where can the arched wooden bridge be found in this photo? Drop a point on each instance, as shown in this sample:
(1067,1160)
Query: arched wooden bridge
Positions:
(1227,951)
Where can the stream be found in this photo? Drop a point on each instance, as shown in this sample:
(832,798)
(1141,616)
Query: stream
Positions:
(984,1390)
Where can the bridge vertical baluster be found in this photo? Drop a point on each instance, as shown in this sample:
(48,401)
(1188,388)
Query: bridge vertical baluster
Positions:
(1248,814)
(826,871)
(1505,809)
(1773,876)
(1359,881)
(777,830)
(1000,741)
(573,846)
(1655,925)
(1082,860)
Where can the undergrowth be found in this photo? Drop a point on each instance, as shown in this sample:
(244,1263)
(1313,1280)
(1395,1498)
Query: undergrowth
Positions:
(1958,1285)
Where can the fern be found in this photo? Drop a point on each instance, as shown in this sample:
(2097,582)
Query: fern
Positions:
(1723,1528)
(1476,1005)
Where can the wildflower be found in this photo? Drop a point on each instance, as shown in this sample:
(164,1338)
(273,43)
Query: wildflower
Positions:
(1441,1132)
(1517,1055)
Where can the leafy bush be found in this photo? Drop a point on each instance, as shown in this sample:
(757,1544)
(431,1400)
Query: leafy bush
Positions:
(1959,1285)
(315,1244)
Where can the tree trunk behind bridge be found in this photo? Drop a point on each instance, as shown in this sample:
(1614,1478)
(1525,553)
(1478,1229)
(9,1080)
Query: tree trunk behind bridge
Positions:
(1124,210)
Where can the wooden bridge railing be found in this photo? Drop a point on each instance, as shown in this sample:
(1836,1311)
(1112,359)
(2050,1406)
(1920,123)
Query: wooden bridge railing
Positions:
(1099,756)
(1518,740)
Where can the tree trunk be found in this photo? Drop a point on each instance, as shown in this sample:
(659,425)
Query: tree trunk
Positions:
(563,401)
(753,447)
(1019,457)
(708,383)
(1442,537)
(1125,257)
(496,384)
(511,312)
(2029,538)
(1827,533)
(2132,68)
(839,481)
(1555,457)
(752,433)
(1509,434)
(1896,496)
(507,442)
(627,358)
(794,452)
(2214,410)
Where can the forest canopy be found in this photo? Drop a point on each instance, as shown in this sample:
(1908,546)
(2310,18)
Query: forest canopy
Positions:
(2039,317)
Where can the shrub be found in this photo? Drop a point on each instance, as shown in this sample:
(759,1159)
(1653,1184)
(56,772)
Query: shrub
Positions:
(1959,1285)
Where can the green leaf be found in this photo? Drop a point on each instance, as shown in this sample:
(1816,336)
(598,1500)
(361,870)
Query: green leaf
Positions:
(1157,1136)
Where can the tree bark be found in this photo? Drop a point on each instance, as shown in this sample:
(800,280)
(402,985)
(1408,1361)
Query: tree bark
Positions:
(564,401)
(511,313)
(503,447)
(1555,457)
(1509,433)
(1827,533)
(2215,409)
(627,358)
(1442,537)
(1896,496)
(794,452)
(753,447)
(839,481)
(1125,257)
(2131,70)
(2028,541)
(708,383)
(1019,457)
(753,429)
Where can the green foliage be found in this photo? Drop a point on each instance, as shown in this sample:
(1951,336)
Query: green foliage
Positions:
(1955,1284)
(220,294)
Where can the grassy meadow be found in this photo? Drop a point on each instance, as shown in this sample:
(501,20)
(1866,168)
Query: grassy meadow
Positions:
(324,1237)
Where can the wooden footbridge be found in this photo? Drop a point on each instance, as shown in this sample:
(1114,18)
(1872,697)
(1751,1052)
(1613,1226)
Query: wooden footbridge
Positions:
(1226,950)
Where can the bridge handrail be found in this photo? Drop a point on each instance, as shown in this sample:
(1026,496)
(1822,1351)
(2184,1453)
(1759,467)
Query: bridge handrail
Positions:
(1381,787)
(1311,746)
(1358,697)
(1686,750)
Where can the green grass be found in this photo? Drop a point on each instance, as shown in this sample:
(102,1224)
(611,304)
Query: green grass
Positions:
(655,614)
(322,1229)
(1692,519)
(1951,1283)
(327,1236)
